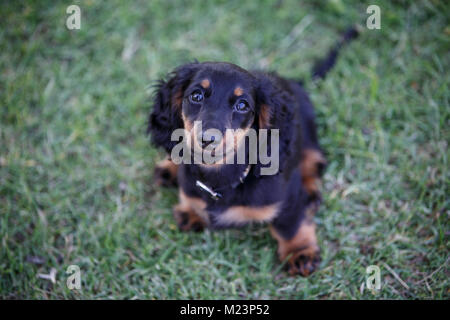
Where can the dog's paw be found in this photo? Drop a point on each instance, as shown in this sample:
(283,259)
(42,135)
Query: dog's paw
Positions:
(188,220)
(165,174)
(304,262)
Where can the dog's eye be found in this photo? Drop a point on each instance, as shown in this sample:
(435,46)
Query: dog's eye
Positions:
(241,106)
(196,96)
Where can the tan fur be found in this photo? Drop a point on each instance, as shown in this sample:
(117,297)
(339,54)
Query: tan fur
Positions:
(302,249)
(238,91)
(171,167)
(205,83)
(196,205)
(308,168)
(243,214)
(264,117)
(304,240)
(187,124)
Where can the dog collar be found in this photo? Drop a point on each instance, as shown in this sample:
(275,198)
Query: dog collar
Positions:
(216,195)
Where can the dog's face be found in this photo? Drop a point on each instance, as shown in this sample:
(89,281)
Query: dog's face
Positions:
(220,95)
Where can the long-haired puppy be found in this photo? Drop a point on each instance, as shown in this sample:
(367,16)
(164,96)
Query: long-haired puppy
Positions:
(224,96)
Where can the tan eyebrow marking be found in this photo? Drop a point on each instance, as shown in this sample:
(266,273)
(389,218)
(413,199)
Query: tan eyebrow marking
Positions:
(205,83)
(238,91)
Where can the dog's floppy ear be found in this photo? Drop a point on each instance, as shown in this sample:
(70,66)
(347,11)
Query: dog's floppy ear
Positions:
(165,116)
(274,111)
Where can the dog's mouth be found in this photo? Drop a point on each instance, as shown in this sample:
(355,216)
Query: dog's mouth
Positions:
(214,149)
(206,142)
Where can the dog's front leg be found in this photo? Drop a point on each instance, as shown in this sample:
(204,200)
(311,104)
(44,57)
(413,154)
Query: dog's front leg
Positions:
(298,245)
(190,213)
(165,173)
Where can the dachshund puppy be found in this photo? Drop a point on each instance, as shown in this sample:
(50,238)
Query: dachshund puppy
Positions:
(224,96)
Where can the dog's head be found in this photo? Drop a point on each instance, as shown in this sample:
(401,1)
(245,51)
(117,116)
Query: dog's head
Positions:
(222,96)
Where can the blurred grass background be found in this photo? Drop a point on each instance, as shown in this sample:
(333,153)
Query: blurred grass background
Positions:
(76,166)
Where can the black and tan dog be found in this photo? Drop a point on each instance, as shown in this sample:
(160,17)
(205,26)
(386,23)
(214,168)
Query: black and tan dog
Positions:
(225,96)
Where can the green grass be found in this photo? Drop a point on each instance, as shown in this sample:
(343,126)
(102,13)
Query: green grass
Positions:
(76,166)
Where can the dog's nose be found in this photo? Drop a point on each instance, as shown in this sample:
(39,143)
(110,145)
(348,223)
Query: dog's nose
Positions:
(207,142)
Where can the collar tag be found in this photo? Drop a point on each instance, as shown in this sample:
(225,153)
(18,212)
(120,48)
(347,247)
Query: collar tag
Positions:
(214,195)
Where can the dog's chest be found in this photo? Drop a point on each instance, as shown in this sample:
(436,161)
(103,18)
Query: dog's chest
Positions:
(253,201)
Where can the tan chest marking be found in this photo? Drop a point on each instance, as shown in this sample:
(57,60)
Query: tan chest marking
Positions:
(243,214)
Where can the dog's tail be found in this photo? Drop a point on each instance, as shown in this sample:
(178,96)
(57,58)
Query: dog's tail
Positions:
(321,67)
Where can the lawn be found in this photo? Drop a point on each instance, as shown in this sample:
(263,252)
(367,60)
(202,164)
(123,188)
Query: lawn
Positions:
(76,185)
